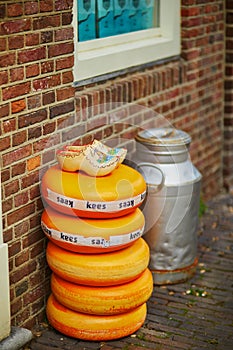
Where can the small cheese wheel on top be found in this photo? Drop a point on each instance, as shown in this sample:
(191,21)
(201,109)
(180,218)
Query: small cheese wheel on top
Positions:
(92,235)
(78,194)
(94,327)
(105,269)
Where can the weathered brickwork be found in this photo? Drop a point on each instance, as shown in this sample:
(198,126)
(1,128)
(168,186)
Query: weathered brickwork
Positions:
(40,109)
(228,116)
(36,60)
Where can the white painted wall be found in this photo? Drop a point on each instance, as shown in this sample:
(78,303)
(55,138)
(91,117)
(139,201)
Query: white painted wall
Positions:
(4,283)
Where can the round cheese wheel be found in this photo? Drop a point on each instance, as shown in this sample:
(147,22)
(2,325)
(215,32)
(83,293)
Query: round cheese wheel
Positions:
(103,300)
(94,327)
(85,235)
(78,194)
(105,269)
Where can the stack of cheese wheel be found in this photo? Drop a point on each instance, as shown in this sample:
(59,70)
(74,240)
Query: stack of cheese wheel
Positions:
(100,278)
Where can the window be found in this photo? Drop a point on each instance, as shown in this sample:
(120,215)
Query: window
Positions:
(102,46)
(103,18)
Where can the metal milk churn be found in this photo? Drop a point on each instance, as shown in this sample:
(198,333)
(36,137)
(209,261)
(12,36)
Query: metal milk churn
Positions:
(172,203)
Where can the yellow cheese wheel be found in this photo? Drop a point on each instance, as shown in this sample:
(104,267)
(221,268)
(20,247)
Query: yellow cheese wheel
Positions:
(78,194)
(94,327)
(105,269)
(92,235)
(103,300)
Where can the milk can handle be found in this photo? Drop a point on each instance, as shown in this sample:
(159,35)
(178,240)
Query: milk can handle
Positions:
(155,187)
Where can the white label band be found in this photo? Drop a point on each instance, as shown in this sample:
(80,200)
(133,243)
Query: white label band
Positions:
(94,206)
(99,242)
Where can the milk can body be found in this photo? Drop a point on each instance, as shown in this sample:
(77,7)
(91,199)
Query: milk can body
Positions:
(172,203)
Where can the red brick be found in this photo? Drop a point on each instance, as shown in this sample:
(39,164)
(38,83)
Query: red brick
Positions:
(47,67)
(63,5)
(3,44)
(48,156)
(66,18)
(7,206)
(19,138)
(191,11)
(16,90)
(48,97)
(49,128)
(31,55)
(11,188)
(47,36)
(32,39)
(7,60)
(2,10)
(5,175)
(17,74)
(33,238)
(14,10)
(5,143)
(9,125)
(65,93)
(60,49)
(20,214)
(32,70)
(23,271)
(8,235)
(16,305)
(31,7)
(21,228)
(37,248)
(16,26)
(14,248)
(18,169)
(60,109)
(16,42)
(46,22)
(21,199)
(30,179)
(47,82)
(21,287)
(64,34)
(3,78)
(46,5)
(32,118)
(34,101)
(4,110)
(65,63)
(15,155)
(34,192)
(43,144)
(18,106)
(34,295)
(67,77)
(34,132)
(33,163)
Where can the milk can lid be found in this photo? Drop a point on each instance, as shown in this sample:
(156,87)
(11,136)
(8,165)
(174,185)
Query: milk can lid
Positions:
(163,136)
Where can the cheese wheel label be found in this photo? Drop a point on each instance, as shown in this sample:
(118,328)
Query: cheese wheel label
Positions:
(94,206)
(99,242)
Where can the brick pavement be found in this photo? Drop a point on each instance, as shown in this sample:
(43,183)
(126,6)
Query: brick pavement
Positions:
(195,315)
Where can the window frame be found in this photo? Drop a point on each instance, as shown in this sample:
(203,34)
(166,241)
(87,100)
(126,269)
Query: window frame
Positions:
(103,56)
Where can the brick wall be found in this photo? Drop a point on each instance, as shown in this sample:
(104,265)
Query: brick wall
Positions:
(228,117)
(40,110)
(36,59)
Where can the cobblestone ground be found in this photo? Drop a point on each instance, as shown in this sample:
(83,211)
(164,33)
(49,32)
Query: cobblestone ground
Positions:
(195,315)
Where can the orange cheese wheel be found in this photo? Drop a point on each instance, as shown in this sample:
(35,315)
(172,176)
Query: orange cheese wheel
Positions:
(105,269)
(78,194)
(103,300)
(94,327)
(92,235)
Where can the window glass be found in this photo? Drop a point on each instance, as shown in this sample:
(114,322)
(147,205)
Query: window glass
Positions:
(104,18)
